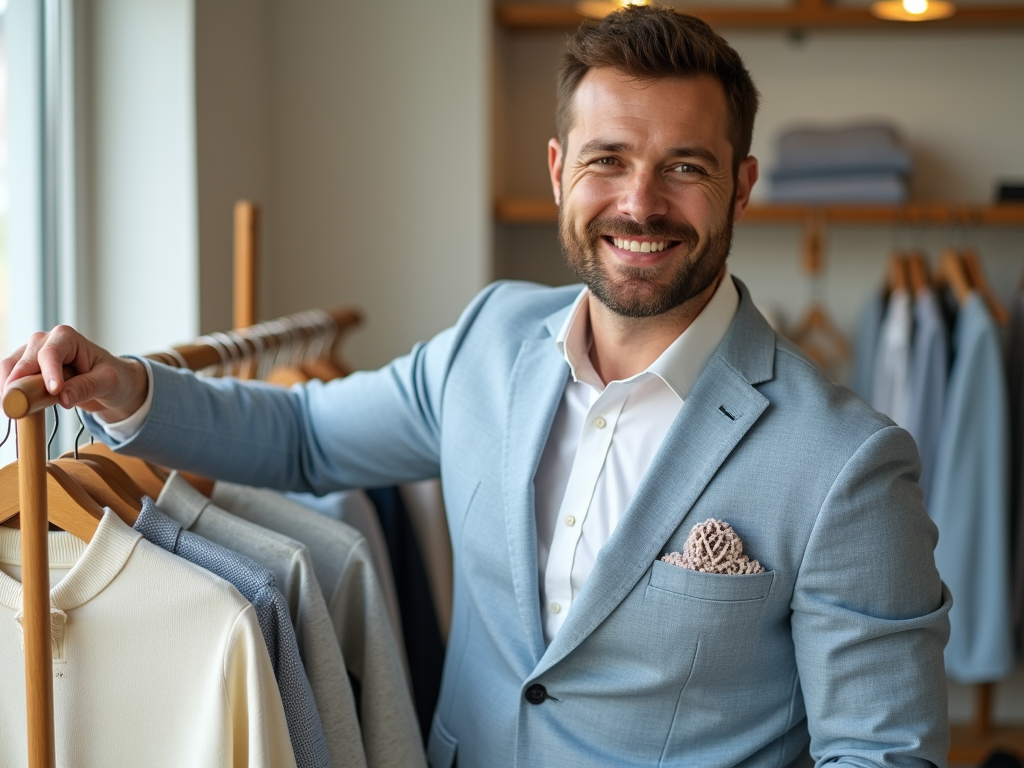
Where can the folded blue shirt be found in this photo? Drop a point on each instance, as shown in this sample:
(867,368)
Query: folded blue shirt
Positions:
(256,584)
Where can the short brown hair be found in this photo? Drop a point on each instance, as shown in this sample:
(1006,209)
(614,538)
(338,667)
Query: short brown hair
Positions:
(648,43)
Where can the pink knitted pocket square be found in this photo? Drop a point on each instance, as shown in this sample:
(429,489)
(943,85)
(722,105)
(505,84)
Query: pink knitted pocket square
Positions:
(714,547)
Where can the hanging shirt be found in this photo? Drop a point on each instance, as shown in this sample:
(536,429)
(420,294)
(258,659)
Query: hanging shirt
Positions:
(256,584)
(355,508)
(969,501)
(862,380)
(157,662)
(293,573)
(890,393)
(603,440)
(344,571)
(928,370)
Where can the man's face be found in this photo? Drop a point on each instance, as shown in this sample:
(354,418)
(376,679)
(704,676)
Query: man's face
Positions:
(645,189)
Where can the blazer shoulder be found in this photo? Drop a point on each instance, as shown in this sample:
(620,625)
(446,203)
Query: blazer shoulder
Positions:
(799,387)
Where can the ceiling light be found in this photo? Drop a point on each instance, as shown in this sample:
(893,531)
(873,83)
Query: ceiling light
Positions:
(598,9)
(913,10)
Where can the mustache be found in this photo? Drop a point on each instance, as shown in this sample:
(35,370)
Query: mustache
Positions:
(660,229)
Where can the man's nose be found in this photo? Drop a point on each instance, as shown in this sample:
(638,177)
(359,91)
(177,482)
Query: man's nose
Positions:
(644,198)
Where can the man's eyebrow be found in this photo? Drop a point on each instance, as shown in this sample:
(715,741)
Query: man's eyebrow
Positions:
(598,145)
(698,152)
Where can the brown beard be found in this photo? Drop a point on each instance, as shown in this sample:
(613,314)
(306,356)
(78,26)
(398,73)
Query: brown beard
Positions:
(637,291)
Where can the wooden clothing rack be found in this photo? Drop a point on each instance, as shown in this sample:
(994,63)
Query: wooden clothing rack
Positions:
(26,400)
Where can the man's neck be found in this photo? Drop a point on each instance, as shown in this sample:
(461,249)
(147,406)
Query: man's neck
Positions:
(624,346)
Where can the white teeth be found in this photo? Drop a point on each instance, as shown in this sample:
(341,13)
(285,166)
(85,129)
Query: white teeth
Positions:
(638,247)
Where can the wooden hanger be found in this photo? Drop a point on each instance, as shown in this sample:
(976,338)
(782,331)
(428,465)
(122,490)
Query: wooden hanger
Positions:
(68,506)
(818,321)
(917,271)
(103,489)
(287,375)
(322,369)
(972,265)
(111,473)
(148,478)
(953,274)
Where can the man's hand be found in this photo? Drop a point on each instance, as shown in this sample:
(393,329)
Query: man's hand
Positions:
(111,387)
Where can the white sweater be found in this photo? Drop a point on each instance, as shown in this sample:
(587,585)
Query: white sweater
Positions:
(157,663)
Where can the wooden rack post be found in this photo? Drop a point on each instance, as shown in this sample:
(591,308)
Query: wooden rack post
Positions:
(246,236)
(27,401)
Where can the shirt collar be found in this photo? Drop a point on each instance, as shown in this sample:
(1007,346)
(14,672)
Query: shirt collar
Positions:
(680,365)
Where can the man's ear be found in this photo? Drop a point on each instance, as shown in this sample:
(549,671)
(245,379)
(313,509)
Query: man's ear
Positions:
(746,177)
(555,168)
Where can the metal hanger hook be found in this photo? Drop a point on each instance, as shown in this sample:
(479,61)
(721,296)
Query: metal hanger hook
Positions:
(56,424)
(81,429)
(8,435)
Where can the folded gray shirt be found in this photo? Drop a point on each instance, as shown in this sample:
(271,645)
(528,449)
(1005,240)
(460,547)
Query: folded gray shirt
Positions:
(256,584)
(292,567)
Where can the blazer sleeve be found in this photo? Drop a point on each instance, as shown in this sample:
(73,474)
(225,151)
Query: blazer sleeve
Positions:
(870,616)
(371,428)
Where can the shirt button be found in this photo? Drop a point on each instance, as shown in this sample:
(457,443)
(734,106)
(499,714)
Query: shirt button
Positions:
(570,520)
(600,423)
(536,694)
(554,608)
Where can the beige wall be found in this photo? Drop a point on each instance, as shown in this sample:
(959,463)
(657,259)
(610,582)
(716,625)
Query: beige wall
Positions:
(361,128)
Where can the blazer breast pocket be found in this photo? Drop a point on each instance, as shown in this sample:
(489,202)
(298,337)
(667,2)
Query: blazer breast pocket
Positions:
(710,586)
(705,604)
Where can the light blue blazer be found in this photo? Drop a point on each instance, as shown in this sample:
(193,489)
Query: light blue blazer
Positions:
(840,641)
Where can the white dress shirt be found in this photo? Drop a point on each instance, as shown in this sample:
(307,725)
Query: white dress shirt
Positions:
(602,441)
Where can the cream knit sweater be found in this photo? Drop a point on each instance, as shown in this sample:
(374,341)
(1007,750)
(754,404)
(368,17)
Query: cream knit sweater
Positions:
(157,662)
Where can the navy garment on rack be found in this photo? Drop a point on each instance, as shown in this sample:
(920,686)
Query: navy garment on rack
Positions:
(1015,374)
(420,628)
(256,584)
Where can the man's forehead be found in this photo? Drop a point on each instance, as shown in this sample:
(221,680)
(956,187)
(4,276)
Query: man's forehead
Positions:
(612,101)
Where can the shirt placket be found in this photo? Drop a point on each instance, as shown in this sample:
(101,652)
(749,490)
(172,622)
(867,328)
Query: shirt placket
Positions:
(595,442)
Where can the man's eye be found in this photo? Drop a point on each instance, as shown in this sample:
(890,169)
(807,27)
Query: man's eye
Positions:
(687,168)
(605,161)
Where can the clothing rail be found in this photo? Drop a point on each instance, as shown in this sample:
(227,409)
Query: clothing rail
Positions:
(27,400)
(252,345)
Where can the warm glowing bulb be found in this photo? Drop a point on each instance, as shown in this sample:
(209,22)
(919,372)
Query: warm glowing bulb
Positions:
(625,3)
(915,7)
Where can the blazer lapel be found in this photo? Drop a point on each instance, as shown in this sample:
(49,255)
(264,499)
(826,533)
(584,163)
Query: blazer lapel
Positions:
(536,387)
(718,412)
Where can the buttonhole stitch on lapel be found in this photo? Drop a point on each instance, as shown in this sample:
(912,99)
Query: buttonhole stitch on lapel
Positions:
(722,409)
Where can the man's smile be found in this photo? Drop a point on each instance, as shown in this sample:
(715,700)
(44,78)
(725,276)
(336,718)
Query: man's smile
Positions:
(641,246)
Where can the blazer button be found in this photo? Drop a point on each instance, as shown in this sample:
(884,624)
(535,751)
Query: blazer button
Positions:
(536,694)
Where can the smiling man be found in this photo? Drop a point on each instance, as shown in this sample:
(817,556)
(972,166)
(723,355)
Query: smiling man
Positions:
(581,435)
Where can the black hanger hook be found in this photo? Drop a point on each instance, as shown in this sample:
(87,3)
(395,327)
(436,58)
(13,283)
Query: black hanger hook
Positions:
(7,436)
(81,429)
(56,424)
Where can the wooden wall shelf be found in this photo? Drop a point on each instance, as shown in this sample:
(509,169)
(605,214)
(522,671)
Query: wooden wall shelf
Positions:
(804,15)
(524,210)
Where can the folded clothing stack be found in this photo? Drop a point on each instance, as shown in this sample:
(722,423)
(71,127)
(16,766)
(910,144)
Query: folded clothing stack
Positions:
(864,163)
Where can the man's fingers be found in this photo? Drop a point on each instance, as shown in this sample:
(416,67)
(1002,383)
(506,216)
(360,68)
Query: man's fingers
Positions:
(80,389)
(60,348)
(27,365)
(8,363)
